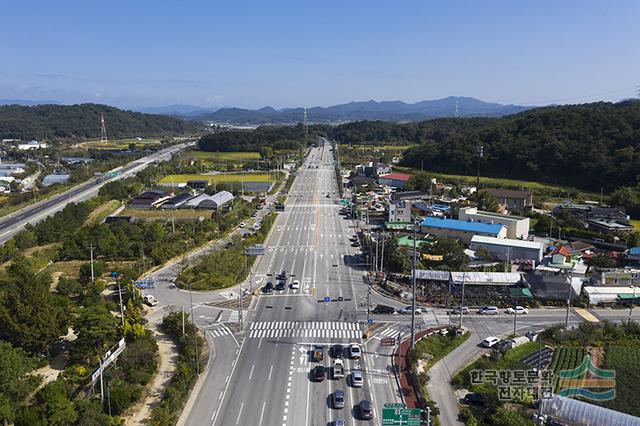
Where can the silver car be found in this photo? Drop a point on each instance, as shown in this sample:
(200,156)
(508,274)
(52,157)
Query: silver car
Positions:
(357,379)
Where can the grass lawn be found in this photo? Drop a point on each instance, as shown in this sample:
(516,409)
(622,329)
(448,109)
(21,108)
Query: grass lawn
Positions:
(222,156)
(119,143)
(101,212)
(219,178)
(636,223)
(159,214)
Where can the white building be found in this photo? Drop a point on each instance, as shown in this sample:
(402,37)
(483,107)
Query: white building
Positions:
(400,211)
(31,145)
(517,226)
(503,248)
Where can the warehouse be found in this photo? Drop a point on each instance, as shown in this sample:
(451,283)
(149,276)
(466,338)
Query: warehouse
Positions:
(460,229)
(508,249)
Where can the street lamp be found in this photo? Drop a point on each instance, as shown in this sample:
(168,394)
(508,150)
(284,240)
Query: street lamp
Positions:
(569,274)
(413,285)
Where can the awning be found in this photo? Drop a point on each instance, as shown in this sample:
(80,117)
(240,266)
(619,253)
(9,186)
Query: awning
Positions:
(522,293)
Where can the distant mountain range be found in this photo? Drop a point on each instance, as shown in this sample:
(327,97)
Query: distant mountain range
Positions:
(177,110)
(25,102)
(369,110)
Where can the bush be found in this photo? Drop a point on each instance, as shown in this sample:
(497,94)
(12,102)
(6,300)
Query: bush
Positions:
(122,395)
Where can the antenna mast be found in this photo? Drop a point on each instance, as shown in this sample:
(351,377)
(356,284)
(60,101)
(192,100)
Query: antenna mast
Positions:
(103,129)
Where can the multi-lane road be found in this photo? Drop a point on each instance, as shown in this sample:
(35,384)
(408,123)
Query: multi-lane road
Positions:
(13,223)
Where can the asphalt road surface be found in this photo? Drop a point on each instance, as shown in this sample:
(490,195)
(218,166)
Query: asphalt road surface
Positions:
(13,223)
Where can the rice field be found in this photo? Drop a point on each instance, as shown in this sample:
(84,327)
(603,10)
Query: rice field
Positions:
(221,156)
(119,143)
(218,178)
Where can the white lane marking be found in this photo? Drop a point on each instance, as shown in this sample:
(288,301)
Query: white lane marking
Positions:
(262,412)
(233,368)
(270,371)
(251,373)
(239,413)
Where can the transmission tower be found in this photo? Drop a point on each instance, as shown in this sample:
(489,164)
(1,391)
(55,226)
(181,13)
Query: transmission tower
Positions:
(305,124)
(103,129)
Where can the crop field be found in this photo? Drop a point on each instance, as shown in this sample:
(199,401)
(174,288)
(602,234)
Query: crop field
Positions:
(166,215)
(565,358)
(119,143)
(221,156)
(218,178)
(625,360)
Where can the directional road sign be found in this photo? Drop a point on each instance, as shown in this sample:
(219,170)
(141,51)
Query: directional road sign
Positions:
(327,299)
(370,321)
(399,414)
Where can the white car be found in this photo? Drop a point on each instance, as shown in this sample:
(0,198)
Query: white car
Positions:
(518,310)
(408,309)
(150,300)
(354,351)
(488,310)
(490,341)
(295,285)
(242,225)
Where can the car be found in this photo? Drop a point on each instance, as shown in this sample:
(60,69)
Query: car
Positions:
(408,309)
(464,309)
(490,341)
(338,369)
(339,422)
(473,398)
(228,245)
(337,351)
(384,309)
(242,225)
(365,410)
(281,285)
(354,351)
(318,353)
(295,285)
(268,287)
(518,310)
(488,310)
(150,300)
(337,399)
(357,379)
(254,214)
(317,373)
(355,244)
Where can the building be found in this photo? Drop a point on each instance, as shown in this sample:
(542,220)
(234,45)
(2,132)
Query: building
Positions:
(399,211)
(407,242)
(77,160)
(460,229)
(360,180)
(408,195)
(607,226)
(31,145)
(208,202)
(517,226)
(198,184)
(49,180)
(8,169)
(512,200)
(148,199)
(508,249)
(176,201)
(633,255)
(394,180)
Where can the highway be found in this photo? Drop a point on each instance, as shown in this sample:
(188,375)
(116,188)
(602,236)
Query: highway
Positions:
(13,223)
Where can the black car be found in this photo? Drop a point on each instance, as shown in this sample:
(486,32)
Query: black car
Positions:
(317,373)
(337,351)
(337,399)
(229,245)
(473,399)
(365,410)
(268,287)
(383,309)
(281,285)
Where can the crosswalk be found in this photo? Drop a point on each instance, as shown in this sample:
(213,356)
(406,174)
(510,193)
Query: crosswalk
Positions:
(307,329)
(389,332)
(219,332)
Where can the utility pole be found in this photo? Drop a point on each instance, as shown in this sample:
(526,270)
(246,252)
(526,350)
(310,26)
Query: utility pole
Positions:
(464,278)
(413,287)
(91,251)
(120,294)
(376,257)
(195,330)
(633,299)
(570,275)
(382,253)
(480,152)
(183,320)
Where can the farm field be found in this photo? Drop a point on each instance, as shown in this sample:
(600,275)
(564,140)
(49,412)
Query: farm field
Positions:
(159,214)
(118,143)
(221,156)
(218,178)
(625,360)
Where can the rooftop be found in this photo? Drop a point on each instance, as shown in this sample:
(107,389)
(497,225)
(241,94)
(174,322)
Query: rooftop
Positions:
(634,250)
(480,239)
(461,225)
(396,176)
(508,193)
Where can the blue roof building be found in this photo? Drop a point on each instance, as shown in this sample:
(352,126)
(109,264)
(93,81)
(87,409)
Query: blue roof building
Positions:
(461,229)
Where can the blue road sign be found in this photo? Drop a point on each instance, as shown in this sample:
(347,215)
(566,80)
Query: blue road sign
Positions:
(327,299)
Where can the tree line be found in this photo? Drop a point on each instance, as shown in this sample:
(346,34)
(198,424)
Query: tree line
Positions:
(83,121)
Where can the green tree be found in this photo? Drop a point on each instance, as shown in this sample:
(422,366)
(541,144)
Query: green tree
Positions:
(601,261)
(488,202)
(96,329)
(57,406)
(30,316)
(454,257)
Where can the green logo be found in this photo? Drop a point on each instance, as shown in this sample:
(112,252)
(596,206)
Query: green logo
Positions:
(588,381)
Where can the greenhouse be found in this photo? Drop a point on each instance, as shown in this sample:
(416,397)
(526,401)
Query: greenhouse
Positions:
(571,412)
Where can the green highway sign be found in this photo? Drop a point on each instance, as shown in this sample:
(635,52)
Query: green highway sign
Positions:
(400,415)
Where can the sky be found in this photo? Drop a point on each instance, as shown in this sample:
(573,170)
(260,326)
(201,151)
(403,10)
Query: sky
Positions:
(284,54)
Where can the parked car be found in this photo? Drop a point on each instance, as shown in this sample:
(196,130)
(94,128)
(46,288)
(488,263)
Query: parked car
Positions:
(150,300)
(242,225)
(365,410)
(464,309)
(518,310)
(384,309)
(354,351)
(295,285)
(473,398)
(337,399)
(490,341)
(317,373)
(488,310)
(357,379)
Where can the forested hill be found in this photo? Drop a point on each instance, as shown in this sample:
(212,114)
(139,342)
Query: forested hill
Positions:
(83,121)
(587,146)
